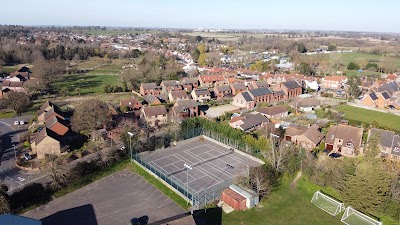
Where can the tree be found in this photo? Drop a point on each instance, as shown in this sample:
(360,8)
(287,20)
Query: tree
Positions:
(332,47)
(202,48)
(196,54)
(202,60)
(353,66)
(260,65)
(278,155)
(354,87)
(301,47)
(305,69)
(90,115)
(259,180)
(199,38)
(17,101)
(388,64)
(372,149)
(46,72)
(368,189)
(4,206)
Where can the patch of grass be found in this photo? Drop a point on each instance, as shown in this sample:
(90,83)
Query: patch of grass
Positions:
(9,69)
(86,83)
(284,206)
(159,185)
(358,116)
(92,178)
(4,115)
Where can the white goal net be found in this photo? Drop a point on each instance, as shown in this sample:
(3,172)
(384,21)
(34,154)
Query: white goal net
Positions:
(354,217)
(327,203)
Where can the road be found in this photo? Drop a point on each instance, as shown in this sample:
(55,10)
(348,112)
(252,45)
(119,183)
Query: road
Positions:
(10,175)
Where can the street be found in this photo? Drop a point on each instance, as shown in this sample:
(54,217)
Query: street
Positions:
(10,175)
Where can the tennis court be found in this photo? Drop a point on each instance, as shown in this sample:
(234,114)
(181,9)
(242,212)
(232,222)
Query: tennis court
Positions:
(210,167)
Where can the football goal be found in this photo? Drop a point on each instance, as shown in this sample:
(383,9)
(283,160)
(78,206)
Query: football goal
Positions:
(327,203)
(354,217)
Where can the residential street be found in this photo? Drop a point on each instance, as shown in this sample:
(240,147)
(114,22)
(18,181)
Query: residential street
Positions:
(10,175)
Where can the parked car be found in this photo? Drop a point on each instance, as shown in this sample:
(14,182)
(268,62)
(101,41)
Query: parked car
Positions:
(335,155)
(21,122)
(27,156)
(16,122)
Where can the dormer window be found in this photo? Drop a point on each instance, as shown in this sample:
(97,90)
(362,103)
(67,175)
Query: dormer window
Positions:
(350,144)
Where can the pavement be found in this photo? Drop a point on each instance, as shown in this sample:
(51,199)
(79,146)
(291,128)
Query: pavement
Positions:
(216,111)
(10,175)
(118,199)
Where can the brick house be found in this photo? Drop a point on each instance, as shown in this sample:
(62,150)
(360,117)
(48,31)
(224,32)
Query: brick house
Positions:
(46,143)
(190,83)
(389,142)
(222,91)
(307,138)
(178,95)
(274,112)
(154,115)
(185,108)
(170,85)
(249,99)
(333,82)
(258,84)
(57,125)
(344,139)
(211,80)
(292,88)
(238,88)
(376,99)
(201,95)
(131,104)
(150,89)
(48,109)
(244,100)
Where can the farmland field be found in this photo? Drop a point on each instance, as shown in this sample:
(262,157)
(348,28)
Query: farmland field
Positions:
(358,115)
(225,36)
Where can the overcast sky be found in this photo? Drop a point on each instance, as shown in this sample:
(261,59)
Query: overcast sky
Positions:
(347,15)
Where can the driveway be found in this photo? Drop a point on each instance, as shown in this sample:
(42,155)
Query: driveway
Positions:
(10,175)
(118,199)
(214,112)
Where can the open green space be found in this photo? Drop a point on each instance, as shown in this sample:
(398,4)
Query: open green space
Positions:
(89,83)
(358,116)
(8,69)
(285,205)
(114,32)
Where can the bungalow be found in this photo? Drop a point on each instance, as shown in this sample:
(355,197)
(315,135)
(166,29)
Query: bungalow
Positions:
(211,80)
(238,88)
(249,122)
(274,112)
(201,95)
(345,140)
(307,104)
(150,89)
(178,95)
(389,142)
(131,104)
(185,108)
(170,85)
(46,143)
(307,138)
(154,115)
(222,91)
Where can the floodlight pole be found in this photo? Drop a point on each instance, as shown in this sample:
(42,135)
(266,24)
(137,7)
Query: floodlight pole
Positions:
(188,167)
(15,153)
(130,143)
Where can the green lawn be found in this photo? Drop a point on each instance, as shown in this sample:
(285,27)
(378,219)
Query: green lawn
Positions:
(89,83)
(284,206)
(358,115)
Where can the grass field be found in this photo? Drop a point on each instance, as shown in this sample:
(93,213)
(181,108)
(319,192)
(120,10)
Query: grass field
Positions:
(358,115)
(285,206)
(225,36)
(115,32)
(88,83)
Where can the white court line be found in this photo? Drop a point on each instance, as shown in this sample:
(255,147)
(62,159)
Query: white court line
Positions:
(217,168)
(162,158)
(189,150)
(236,158)
(205,171)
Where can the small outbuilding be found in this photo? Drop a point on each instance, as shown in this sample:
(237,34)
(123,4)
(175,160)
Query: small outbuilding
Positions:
(239,198)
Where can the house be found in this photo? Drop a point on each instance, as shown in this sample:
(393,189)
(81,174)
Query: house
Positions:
(16,86)
(307,104)
(261,95)
(48,109)
(170,85)
(185,108)
(178,95)
(201,95)
(377,99)
(46,143)
(151,100)
(150,89)
(244,100)
(333,82)
(211,80)
(189,84)
(389,142)
(154,115)
(258,84)
(249,122)
(222,91)
(131,104)
(23,73)
(238,88)
(55,124)
(274,112)
(345,140)
(307,138)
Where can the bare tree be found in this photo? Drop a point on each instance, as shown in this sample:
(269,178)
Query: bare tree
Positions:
(279,154)
(259,180)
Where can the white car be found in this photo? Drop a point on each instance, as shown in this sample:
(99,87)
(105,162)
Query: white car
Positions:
(21,122)
(16,122)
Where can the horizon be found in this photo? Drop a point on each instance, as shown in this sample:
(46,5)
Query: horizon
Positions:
(309,15)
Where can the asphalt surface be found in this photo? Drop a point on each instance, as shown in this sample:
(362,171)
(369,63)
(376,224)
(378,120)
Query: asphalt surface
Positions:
(118,199)
(10,175)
